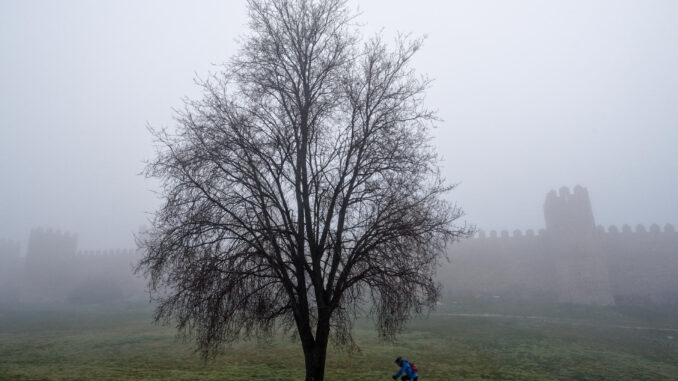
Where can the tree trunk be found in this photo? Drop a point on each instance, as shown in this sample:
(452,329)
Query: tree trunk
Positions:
(315,354)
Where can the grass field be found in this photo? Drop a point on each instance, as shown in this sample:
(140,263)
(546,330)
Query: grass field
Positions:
(458,343)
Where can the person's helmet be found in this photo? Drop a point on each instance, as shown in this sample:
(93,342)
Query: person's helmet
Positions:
(398,360)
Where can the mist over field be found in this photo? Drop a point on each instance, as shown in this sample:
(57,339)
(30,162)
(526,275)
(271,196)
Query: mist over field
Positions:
(557,121)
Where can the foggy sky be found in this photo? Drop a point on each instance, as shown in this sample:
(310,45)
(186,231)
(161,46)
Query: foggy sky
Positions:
(534,95)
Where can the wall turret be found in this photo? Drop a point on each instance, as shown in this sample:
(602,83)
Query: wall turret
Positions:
(569,212)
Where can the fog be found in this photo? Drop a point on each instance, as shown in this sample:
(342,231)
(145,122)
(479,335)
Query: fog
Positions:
(558,122)
(533,95)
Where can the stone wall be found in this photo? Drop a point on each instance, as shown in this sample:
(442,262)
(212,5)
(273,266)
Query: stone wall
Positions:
(53,271)
(571,261)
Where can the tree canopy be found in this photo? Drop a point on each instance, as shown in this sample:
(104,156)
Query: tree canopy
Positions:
(301,187)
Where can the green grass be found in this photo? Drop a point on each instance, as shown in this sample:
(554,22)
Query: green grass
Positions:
(552,343)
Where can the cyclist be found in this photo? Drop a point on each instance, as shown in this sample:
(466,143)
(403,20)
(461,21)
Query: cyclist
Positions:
(406,370)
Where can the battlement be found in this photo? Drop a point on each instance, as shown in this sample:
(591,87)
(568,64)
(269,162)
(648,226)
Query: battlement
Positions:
(51,243)
(655,229)
(504,234)
(639,229)
(571,260)
(56,244)
(53,233)
(569,212)
(107,253)
(54,270)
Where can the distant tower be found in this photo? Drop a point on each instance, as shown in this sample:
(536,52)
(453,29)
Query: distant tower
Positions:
(49,265)
(568,213)
(581,266)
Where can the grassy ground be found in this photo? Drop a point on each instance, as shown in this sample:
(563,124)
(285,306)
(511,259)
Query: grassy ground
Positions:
(461,343)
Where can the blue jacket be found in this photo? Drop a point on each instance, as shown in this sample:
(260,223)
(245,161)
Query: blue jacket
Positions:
(406,369)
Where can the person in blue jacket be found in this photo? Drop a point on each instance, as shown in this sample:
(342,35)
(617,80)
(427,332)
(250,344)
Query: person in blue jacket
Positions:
(405,370)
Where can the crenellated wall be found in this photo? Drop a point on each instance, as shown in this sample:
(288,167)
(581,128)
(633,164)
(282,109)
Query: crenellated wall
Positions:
(643,263)
(54,271)
(667,229)
(571,261)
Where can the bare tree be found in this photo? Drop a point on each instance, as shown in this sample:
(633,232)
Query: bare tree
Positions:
(299,188)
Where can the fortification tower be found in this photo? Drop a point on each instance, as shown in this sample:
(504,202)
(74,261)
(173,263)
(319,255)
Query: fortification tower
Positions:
(569,213)
(49,266)
(581,267)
